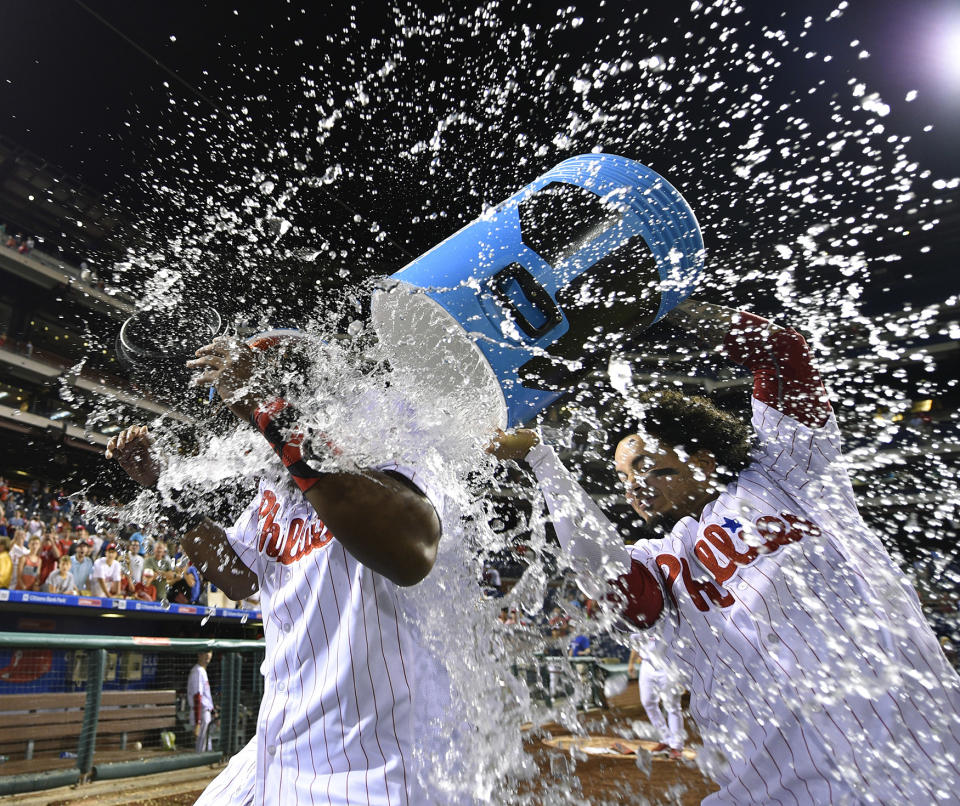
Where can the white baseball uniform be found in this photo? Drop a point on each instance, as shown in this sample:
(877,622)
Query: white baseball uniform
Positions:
(349,689)
(658,684)
(814,675)
(201,705)
(237,783)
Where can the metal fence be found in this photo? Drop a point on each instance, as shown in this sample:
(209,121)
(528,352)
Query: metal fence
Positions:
(78,707)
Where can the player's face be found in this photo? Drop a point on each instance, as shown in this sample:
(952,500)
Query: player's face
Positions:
(658,483)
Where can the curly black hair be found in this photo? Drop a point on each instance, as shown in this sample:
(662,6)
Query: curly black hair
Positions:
(696,423)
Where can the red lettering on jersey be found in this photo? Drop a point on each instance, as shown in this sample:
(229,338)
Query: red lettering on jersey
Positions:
(301,538)
(723,543)
(716,543)
(804,527)
(269,531)
(775,531)
(267,500)
(293,546)
(275,544)
(319,535)
(675,567)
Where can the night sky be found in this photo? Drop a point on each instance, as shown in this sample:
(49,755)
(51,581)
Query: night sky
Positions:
(163,149)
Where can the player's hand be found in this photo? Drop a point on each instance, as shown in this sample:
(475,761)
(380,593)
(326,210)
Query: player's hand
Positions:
(229,366)
(515,445)
(131,448)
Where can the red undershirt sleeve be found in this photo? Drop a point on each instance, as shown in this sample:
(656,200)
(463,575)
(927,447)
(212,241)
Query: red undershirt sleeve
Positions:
(784,376)
(638,594)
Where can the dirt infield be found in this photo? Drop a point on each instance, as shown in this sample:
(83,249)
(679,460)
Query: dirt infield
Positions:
(593,769)
(587,766)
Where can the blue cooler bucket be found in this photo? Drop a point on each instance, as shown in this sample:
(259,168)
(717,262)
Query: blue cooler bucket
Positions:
(519,304)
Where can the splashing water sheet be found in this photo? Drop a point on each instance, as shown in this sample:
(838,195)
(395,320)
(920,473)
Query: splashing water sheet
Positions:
(402,126)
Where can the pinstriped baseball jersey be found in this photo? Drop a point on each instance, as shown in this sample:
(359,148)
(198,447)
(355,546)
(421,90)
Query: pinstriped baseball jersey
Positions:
(345,677)
(813,672)
(814,677)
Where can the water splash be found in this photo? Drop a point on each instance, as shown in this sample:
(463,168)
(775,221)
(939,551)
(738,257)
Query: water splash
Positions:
(809,197)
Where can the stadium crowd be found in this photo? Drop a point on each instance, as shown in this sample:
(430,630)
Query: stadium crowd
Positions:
(46,544)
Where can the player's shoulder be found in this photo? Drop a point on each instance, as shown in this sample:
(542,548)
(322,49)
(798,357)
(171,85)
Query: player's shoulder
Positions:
(647,548)
(770,421)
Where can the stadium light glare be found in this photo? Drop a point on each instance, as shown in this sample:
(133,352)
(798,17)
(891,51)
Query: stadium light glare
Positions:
(947,50)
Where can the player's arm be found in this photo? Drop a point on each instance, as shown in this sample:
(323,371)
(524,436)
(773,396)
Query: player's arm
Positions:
(204,541)
(784,376)
(603,566)
(209,550)
(380,517)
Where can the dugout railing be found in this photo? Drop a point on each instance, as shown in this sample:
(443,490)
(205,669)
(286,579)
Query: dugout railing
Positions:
(75,708)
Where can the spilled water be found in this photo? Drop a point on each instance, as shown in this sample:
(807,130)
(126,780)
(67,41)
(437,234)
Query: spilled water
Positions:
(806,186)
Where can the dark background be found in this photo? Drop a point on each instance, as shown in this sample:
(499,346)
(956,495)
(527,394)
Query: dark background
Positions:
(165,121)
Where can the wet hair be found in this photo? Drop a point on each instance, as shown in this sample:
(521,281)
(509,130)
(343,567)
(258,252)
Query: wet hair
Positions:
(697,424)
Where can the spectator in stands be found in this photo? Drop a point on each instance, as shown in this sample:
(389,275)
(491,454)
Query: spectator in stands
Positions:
(28,569)
(579,646)
(6,564)
(4,526)
(145,589)
(61,580)
(4,487)
(96,544)
(34,526)
(106,574)
(18,521)
(187,586)
(491,580)
(162,566)
(146,545)
(65,542)
(18,548)
(81,565)
(49,555)
(79,536)
(27,246)
(201,701)
(135,562)
(127,590)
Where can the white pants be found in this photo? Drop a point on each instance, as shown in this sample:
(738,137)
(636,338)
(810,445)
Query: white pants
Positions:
(234,786)
(655,687)
(204,740)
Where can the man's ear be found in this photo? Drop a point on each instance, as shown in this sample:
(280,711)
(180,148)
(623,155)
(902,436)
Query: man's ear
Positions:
(706,461)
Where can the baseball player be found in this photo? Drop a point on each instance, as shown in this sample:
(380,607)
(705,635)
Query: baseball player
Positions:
(814,675)
(657,685)
(348,685)
(201,702)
